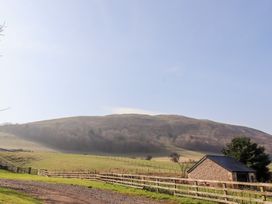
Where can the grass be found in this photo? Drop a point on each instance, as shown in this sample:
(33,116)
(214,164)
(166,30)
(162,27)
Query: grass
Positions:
(69,162)
(102,186)
(8,196)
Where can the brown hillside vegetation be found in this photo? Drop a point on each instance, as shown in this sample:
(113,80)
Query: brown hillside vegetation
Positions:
(133,134)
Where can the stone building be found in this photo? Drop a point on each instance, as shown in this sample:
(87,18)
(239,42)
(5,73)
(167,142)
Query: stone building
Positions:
(221,168)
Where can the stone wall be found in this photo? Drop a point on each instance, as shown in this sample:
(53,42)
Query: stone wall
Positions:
(209,170)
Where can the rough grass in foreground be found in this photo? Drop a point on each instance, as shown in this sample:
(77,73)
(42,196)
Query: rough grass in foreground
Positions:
(8,196)
(102,186)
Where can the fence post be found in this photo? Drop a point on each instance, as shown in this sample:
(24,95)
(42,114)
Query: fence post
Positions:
(196,187)
(263,195)
(225,191)
(143,178)
(157,184)
(175,186)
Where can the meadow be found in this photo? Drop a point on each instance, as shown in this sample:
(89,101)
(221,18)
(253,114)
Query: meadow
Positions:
(75,162)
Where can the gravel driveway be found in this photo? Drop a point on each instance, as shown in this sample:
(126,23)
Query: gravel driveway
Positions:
(72,194)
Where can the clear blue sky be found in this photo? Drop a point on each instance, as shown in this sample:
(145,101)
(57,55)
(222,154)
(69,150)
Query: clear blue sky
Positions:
(205,59)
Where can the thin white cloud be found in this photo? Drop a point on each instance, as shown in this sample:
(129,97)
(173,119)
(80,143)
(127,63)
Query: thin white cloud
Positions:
(127,110)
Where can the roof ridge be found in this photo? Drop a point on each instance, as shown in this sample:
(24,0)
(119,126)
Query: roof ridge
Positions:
(229,163)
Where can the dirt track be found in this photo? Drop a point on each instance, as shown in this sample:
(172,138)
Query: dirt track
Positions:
(71,194)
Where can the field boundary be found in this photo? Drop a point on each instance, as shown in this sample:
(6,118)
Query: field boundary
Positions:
(8,165)
(218,191)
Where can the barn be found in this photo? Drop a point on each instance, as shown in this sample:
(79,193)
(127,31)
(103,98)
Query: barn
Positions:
(221,168)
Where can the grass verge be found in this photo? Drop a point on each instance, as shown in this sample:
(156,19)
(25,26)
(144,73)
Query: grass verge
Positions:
(8,196)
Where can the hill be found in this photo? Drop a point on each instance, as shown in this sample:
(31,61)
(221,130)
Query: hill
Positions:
(10,142)
(133,134)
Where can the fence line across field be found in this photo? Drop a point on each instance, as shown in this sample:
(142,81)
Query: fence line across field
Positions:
(8,165)
(219,191)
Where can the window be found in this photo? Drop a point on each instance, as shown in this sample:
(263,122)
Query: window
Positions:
(241,176)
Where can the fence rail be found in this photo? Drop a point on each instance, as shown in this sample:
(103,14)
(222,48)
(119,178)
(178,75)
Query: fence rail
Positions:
(8,165)
(84,174)
(218,191)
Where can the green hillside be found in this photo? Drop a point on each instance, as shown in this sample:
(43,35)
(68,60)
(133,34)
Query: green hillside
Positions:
(12,142)
(133,134)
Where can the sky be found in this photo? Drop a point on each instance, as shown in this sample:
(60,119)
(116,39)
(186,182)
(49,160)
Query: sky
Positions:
(204,59)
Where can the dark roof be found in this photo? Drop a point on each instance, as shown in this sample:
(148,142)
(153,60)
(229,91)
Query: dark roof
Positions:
(226,162)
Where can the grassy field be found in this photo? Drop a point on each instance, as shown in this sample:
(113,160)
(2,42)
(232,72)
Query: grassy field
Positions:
(8,196)
(100,185)
(69,162)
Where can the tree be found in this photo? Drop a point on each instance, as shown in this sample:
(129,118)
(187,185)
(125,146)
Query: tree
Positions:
(251,154)
(148,157)
(175,157)
(1,28)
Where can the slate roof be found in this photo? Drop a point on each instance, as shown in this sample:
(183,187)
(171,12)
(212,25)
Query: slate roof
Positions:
(226,162)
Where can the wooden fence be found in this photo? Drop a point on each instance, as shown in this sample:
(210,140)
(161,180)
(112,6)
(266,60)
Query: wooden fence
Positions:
(7,165)
(84,174)
(218,191)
